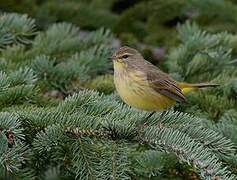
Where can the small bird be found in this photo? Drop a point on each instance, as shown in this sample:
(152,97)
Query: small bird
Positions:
(144,86)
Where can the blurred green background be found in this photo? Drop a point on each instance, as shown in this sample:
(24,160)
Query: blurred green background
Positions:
(134,22)
(63,46)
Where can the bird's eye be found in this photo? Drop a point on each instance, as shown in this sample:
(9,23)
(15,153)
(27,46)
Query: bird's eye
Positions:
(125,56)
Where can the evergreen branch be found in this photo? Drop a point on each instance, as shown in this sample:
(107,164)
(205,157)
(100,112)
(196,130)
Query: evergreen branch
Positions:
(25,173)
(60,75)
(10,123)
(100,36)
(93,136)
(190,125)
(174,119)
(200,53)
(227,125)
(103,84)
(11,159)
(191,152)
(171,140)
(152,163)
(213,140)
(17,94)
(209,103)
(195,38)
(38,120)
(96,56)
(4,80)
(230,89)
(114,162)
(47,140)
(59,38)
(12,150)
(85,158)
(15,54)
(79,132)
(229,117)
(16,29)
(231,161)
(90,103)
(22,76)
(194,127)
(83,98)
(53,173)
(82,116)
(17,86)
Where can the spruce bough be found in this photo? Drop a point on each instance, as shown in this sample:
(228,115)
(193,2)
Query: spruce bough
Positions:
(84,134)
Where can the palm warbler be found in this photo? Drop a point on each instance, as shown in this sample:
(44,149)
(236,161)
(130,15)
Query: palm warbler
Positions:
(142,85)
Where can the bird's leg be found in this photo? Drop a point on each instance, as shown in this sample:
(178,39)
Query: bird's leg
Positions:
(150,114)
(159,125)
(147,118)
(163,113)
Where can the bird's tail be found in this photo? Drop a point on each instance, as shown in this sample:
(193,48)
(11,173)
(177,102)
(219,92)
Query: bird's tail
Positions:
(186,87)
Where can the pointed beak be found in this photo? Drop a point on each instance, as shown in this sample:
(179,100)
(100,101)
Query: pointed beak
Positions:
(112,57)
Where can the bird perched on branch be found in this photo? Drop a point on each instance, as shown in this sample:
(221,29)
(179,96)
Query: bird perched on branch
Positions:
(142,85)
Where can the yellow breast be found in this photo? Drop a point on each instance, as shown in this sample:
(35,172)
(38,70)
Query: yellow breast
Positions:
(136,92)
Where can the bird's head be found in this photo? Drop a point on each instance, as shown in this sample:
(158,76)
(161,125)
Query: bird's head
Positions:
(126,55)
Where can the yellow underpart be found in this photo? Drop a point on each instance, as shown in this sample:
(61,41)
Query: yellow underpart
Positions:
(136,92)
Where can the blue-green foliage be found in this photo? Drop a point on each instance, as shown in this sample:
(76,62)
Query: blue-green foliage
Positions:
(85,134)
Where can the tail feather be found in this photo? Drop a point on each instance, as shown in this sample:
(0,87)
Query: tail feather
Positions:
(186,87)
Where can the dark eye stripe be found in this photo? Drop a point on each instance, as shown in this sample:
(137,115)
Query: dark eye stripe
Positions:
(125,56)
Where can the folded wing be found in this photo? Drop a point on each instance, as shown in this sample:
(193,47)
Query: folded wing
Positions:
(163,84)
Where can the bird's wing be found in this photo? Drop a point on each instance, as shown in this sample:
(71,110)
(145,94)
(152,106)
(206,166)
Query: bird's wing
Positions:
(163,84)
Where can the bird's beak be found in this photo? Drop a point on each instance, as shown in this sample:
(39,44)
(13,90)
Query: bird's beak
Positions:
(113,58)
